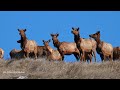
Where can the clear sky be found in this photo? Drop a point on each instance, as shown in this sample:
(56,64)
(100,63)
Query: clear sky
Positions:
(40,24)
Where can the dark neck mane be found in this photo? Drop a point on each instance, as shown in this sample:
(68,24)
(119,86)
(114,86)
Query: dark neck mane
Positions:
(76,38)
(56,43)
(98,41)
(99,45)
(23,41)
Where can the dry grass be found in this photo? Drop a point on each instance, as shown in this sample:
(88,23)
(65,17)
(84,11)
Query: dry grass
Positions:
(42,69)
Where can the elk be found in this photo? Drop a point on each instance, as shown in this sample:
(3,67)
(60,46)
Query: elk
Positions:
(28,46)
(52,54)
(105,50)
(19,54)
(65,48)
(16,54)
(41,52)
(1,53)
(87,47)
(116,53)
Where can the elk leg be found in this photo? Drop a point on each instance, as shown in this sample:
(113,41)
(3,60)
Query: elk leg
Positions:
(111,57)
(24,55)
(94,55)
(47,58)
(62,55)
(105,58)
(90,58)
(35,53)
(27,54)
(81,57)
(101,56)
(83,54)
(63,58)
(76,56)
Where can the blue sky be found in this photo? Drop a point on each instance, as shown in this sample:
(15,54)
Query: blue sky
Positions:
(40,24)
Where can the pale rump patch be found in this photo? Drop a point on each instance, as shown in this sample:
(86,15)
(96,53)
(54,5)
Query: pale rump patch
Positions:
(56,53)
(107,48)
(30,45)
(1,53)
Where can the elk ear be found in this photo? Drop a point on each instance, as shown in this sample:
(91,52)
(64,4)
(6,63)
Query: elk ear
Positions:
(18,30)
(49,40)
(57,34)
(51,34)
(98,32)
(89,35)
(25,30)
(19,41)
(43,40)
(78,29)
(72,28)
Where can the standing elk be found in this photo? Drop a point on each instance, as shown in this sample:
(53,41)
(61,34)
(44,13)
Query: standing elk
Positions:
(116,53)
(105,50)
(19,54)
(28,46)
(87,47)
(1,53)
(65,48)
(41,52)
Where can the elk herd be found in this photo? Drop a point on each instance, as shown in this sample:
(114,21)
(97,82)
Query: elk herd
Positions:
(83,49)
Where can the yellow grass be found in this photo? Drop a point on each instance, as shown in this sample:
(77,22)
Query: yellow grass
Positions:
(42,69)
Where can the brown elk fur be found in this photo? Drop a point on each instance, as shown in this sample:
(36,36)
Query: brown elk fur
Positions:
(28,46)
(1,53)
(116,53)
(53,54)
(17,54)
(41,51)
(88,56)
(87,47)
(65,48)
(104,49)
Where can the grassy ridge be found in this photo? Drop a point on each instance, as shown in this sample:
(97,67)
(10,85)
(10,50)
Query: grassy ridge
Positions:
(42,69)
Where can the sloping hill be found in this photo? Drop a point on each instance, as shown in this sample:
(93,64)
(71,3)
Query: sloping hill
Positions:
(42,69)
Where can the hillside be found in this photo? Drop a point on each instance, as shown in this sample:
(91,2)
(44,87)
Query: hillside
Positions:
(42,69)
